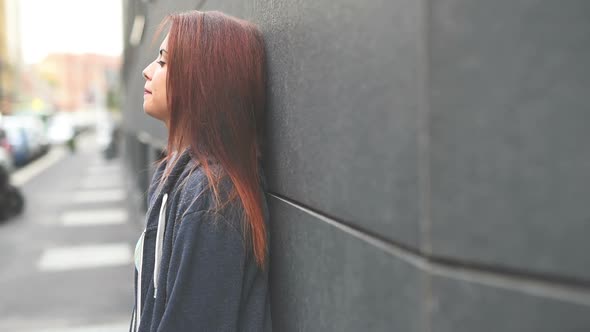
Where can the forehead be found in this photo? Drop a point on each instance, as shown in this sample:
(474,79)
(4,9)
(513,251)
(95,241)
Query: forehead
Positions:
(164,43)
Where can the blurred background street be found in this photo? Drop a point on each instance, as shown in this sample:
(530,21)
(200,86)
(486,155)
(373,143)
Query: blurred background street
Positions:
(66,237)
(66,261)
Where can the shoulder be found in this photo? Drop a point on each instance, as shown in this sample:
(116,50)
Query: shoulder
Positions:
(196,195)
(200,215)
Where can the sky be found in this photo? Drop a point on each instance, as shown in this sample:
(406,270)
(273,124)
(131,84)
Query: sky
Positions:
(70,26)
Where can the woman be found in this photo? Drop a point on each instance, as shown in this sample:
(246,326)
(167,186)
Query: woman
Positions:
(201,263)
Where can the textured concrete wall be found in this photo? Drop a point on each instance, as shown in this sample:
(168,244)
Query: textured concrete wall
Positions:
(426,160)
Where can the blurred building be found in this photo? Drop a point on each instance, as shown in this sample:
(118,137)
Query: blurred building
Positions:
(35,86)
(427,160)
(10,55)
(79,80)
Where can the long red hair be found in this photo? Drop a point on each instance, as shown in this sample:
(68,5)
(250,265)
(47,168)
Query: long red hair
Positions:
(216,97)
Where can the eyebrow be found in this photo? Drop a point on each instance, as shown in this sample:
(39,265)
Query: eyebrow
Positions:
(162,50)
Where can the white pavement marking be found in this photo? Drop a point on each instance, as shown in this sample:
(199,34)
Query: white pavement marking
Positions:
(81,257)
(94,217)
(23,175)
(99,196)
(119,327)
(104,181)
(104,170)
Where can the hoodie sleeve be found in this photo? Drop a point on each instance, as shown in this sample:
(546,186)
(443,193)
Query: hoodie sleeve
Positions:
(205,276)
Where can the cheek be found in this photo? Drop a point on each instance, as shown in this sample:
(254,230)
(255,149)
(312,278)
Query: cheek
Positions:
(159,91)
(160,81)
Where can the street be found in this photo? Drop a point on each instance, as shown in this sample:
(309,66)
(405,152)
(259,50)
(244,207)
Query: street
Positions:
(66,262)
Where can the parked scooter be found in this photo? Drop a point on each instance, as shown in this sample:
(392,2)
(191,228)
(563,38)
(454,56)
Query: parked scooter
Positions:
(12,202)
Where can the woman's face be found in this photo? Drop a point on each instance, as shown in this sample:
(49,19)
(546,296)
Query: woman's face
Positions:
(154,95)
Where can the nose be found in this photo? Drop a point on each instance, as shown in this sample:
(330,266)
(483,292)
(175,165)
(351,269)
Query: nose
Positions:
(145,74)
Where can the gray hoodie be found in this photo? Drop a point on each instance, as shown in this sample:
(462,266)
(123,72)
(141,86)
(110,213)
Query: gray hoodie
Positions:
(194,272)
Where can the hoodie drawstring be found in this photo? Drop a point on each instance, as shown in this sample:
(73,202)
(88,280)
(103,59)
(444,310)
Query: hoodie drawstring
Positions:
(136,318)
(159,242)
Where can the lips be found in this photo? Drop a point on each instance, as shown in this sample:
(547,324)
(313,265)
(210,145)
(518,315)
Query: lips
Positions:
(146,91)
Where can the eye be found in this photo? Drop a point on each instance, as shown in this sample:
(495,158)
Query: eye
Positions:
(161,63)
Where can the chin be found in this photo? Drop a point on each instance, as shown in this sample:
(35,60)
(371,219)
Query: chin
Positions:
(147,107)
(152,114)
(147,111)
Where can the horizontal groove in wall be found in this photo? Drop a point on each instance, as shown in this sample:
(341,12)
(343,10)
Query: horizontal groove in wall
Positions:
(549,286)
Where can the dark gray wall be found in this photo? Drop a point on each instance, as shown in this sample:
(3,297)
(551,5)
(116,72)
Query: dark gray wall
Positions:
(426,159)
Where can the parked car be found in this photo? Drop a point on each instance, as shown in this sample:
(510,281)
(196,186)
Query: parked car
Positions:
(6,159)
(61,129)
(36,122)
(27,137)
(36,128)
(19,143)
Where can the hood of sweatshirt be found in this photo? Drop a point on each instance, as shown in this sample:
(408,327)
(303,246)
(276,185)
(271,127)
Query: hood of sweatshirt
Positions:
(178,227)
